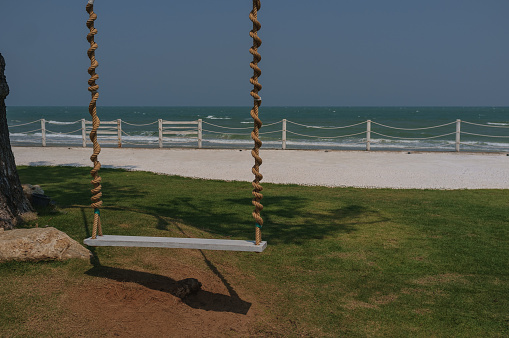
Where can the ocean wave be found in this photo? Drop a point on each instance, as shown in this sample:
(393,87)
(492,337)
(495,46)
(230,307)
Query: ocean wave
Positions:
(61,122)
(486,144)
(224,140)
(18,134)
(212,117)
(498,123)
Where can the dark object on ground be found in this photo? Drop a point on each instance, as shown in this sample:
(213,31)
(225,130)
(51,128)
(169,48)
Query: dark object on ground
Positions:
(39,200)
(186,287)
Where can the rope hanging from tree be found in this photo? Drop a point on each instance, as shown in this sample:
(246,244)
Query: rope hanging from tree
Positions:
(92,109)
(257,188)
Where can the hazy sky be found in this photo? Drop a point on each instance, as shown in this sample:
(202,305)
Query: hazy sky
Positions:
(314,52)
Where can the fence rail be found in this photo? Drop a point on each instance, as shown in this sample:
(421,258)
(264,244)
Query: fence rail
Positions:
(169,132)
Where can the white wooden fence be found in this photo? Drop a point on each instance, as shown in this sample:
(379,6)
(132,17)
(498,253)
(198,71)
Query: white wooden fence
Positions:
(110,132)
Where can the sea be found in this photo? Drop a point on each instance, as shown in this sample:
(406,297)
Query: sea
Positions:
(482,129)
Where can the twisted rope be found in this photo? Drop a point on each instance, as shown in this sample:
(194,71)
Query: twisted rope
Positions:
(93,87)
(257,188)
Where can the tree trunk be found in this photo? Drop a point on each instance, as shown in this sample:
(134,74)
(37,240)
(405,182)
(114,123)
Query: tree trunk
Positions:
(13,202)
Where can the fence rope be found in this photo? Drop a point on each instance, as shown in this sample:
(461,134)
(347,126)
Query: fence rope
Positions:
(181,122)
(24,124)
(441,125)
(62,133)
(215,125)
(220,132)
(30,131)
(139,125)
(413,138)
(325,137)
(317,127)
(271,124)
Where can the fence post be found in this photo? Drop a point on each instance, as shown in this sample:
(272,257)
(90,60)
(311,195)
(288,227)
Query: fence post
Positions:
(458,133)
(200,135)
(368,135)
(43,132)
(160,133)
(283,138)
(84,133)
(119,132)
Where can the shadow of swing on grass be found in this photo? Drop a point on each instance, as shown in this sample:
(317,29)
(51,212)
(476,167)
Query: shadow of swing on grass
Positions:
(202,299)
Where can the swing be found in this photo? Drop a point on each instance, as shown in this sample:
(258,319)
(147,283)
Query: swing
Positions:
(98,239)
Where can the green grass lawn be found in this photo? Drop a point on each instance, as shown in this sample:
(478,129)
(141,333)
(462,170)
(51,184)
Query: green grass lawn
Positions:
(340,261)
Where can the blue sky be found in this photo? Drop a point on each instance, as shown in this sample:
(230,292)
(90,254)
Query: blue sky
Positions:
(314,53)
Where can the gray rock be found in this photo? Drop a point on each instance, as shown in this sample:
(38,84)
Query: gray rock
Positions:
(39,244)
(29,190)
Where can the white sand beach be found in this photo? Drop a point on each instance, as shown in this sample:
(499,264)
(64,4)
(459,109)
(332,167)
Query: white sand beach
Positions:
(399,170)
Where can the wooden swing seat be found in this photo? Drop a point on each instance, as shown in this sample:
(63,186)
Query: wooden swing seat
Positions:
(177,243)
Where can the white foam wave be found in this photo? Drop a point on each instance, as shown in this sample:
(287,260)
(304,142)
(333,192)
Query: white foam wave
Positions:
(62,136)
(225,140)
(17,134)
(212,117)
(61,123)
(498,123)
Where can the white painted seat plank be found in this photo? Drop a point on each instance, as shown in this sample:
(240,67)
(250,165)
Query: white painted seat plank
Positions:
(174,242)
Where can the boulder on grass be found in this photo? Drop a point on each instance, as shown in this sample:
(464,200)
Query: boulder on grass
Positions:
(39,244)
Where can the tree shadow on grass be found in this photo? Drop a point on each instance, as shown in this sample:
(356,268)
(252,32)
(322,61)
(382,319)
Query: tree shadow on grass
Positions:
(71,185)
(204,300)
(287,219)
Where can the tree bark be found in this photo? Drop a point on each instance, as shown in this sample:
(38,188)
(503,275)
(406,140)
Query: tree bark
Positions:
(13,203)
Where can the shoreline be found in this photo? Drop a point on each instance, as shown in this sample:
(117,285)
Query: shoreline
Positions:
(330,168)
